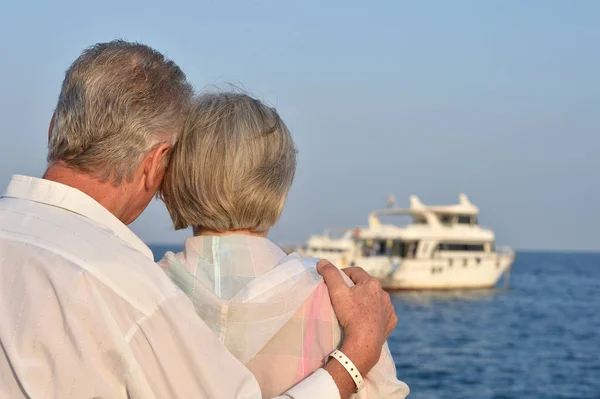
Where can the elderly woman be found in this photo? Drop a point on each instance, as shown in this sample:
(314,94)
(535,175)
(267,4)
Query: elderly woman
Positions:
(228,179)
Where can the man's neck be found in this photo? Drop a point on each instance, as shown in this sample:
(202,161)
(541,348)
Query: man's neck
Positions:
(111,197)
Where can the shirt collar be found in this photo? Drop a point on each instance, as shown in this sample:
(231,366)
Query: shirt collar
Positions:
(69,198)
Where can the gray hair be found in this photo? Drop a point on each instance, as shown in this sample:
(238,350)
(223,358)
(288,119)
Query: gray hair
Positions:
(118,100)
(232,168)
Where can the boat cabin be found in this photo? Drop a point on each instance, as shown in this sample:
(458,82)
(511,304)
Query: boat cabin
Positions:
(436,231)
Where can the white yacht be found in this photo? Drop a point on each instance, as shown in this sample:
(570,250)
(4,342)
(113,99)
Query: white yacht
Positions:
(443,248)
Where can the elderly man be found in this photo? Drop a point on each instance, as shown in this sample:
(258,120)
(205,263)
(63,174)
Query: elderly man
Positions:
(84,310)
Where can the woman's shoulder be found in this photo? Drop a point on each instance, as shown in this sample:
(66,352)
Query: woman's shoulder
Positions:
(311,263)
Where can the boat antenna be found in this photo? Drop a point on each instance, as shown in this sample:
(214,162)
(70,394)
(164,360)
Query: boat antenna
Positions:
(391,201)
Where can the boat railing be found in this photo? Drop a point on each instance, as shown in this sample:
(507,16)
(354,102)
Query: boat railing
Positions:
(506,251)
(335,232)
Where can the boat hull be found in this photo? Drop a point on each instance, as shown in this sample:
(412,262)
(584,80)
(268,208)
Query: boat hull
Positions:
(432,274)
(446,274)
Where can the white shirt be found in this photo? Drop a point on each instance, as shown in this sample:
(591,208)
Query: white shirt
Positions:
(86,313)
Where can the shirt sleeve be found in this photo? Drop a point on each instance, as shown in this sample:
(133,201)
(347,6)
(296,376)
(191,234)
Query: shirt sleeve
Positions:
(382,380)
(319,384)
(178,356)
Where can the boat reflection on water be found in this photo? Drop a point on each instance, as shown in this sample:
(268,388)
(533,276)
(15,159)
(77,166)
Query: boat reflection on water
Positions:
(428,296)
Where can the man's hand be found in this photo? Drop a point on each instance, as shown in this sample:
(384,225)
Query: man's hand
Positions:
(364,311)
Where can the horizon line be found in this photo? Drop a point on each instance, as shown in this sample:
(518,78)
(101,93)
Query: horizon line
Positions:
(559,250)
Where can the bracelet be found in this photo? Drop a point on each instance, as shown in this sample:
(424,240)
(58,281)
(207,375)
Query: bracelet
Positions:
(350,368)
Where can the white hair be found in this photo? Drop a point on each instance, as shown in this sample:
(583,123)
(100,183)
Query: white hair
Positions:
(232,168)
(118,100)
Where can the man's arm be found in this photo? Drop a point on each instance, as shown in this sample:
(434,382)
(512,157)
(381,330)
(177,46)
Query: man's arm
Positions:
(366,315)
(177,354)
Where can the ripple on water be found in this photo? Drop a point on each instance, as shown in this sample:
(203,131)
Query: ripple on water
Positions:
(539,339)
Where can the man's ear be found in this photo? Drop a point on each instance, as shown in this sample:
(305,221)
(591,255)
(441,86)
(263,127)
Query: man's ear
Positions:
(155,166)
(51,126)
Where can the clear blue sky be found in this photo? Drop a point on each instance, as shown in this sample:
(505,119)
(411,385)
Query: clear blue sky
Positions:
(497,99)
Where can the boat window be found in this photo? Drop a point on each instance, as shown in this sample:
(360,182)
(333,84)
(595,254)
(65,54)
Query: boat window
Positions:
(371,247)
(419,220)
(389,245)
(381,248)
(398,248)
(336,250)
(395,248)
(464,219)
(446,220)
(460,247)
(412,249)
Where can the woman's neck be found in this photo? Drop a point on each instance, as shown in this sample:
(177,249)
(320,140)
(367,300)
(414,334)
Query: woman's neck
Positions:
(206,232)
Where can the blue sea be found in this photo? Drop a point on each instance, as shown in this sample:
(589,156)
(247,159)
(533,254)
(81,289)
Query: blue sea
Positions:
(538,339)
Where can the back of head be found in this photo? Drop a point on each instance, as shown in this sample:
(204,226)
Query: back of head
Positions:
(118,100)
(232,167)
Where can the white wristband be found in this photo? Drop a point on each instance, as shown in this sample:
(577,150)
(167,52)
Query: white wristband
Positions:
(350,368)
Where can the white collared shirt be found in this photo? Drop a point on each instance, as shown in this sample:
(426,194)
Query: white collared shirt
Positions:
(85,312)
